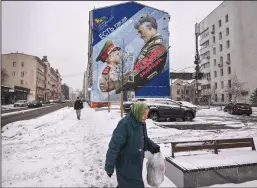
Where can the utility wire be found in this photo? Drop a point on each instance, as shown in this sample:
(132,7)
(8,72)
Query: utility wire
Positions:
(70,75)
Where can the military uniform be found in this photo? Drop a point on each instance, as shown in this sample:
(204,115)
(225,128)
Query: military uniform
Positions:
(114,81)
(149,63)
(109,72)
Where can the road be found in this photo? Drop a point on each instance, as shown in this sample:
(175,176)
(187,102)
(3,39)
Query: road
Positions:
(4,111)
(29,114)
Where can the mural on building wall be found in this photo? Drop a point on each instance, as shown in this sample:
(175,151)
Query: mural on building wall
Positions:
(133,43)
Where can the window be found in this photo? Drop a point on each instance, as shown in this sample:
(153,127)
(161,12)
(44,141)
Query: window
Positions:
(216,98)
(13,73)
(229,83)
(230,96)
(222,97)
(221,60)
(220,23)
(214,50)
(21,82)
(213,28)
(215,63)
(221,72)
(22,74)
(221,47)
(213,39)
(229,70)
(215,73)
(228,44)
(220,35)
(228,57)
(187,92)
(222,84)
(227,31)
(178,91)
(226,18)
(14,64)
(22,64)
(216,85)
(208,76)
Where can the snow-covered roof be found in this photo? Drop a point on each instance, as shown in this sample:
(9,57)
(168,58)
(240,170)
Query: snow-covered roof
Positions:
(184,82)
(173,81)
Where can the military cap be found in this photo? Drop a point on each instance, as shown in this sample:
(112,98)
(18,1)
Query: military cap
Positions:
(106,50)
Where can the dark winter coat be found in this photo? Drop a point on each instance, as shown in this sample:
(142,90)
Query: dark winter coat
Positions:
(78,105)
(126,152)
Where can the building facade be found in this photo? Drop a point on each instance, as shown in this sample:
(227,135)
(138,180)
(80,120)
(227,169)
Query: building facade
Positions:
(53,81)
(29,78)
(183,90)
(228,41)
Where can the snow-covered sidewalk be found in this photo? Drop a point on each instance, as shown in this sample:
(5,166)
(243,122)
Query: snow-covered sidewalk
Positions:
(59,150)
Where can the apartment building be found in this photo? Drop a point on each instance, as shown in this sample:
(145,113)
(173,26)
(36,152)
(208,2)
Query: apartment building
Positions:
(28,77)
(228,52)
(52,82)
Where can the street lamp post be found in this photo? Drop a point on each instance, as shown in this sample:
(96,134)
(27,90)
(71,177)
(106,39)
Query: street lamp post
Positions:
(108,94)
(197,61)
(122,79)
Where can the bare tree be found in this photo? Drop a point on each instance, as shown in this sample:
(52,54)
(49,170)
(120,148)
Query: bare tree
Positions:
(210,95)
(4,74)
(234,88)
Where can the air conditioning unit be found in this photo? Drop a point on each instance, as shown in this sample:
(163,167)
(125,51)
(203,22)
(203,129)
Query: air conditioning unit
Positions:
(208,57)
(220,65)
(228,62)
(213,32)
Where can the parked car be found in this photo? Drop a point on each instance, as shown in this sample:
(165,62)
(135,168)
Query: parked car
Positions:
(238,108)
(127,104)
(34,104)
(188,104)
(46,102)
(21,103)
(171,110)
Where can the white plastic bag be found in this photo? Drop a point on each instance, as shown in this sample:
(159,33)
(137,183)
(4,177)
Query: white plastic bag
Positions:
(155,170)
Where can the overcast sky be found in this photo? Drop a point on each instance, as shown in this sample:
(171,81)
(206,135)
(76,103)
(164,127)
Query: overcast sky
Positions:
(59,30)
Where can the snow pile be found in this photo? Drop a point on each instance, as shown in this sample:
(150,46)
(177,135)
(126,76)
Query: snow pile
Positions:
(9,107)
(59,150)
(245,184)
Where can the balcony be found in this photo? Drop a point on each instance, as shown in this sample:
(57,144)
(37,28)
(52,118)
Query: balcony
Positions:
(206,49)
(205,81)
(205,70)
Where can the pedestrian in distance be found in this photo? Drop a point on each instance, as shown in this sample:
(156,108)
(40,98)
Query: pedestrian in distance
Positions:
(127,148)
(78,105)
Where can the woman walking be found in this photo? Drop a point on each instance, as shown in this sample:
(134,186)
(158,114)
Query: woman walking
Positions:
(127,146)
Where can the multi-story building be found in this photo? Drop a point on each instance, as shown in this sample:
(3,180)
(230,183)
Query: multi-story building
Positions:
(53,81)
(228,41)
(28,77)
